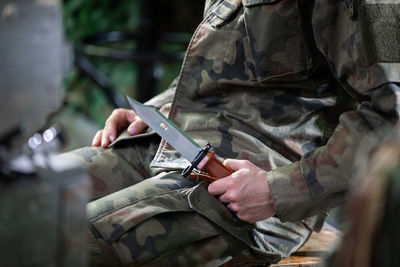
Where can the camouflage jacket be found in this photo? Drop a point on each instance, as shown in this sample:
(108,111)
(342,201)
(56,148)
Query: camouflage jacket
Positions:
(291,85)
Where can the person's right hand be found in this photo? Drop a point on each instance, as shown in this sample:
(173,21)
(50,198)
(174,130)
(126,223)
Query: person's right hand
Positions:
(119,120)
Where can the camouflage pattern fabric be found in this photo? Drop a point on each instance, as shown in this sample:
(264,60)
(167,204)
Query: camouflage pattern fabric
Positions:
(169,220)
(291,85)
(112,170)
(277,83)
(372,211)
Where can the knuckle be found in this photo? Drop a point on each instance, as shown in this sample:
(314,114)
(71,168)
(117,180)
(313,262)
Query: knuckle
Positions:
(118,110)
(246,172)
(108,121)
(230,184)
(138,122)
(233,196)
(98,134)
(115,113)
(247,164)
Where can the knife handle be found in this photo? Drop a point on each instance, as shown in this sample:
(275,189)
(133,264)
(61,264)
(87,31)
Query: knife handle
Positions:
(213,167)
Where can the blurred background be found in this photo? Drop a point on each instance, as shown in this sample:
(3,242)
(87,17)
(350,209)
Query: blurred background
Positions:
(64,66)
(118,48)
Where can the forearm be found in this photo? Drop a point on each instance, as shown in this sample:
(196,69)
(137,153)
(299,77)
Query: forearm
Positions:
(364,58)
(321,178)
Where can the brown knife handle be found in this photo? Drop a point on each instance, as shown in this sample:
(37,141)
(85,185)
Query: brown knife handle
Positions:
(213,167)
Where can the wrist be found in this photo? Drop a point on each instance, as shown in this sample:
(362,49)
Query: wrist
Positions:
(270,200)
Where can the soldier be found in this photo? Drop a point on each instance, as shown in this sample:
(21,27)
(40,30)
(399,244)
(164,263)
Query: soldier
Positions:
(282,89)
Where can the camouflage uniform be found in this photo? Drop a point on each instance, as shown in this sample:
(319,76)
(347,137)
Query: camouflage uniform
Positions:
(273,81)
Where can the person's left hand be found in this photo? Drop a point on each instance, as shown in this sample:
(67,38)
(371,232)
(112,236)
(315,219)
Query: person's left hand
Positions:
(246,191)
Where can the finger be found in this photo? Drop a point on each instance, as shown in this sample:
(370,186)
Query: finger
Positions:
(233,207)
(137,127)
(236,164)
(110,129)
(97,138)
(218,187)
(230,196)
(108,135)
(130,116)
(245,217)
(225,198)
(104,140)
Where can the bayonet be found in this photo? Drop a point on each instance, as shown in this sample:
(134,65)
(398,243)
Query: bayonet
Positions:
(202,160)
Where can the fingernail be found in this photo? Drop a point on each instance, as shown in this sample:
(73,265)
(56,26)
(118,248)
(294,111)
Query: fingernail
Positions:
(131,130)
(112,138)
(209,189)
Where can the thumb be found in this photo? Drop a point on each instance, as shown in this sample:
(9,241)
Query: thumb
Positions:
(136,127)
(235,164)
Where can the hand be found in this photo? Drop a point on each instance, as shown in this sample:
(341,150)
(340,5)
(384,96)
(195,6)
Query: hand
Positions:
(119,120)
(246,191)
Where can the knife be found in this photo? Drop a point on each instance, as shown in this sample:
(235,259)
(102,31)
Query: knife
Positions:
(203,164)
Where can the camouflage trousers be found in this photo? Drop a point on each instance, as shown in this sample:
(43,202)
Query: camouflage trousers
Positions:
(140,218)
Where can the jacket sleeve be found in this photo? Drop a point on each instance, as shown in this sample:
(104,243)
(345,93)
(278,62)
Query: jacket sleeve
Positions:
(359,40)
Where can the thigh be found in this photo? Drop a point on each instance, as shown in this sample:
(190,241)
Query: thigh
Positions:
(125,163)
(169,220)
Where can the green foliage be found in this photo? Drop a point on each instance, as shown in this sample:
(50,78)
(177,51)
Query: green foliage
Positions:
(86,17)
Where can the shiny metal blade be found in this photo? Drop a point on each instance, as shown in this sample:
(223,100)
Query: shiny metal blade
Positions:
(168,130)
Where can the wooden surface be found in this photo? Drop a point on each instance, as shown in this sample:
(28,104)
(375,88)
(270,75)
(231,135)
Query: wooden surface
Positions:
(310,255)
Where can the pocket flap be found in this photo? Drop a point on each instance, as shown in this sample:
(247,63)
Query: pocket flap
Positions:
(213,209)
(249,3)
(113,215)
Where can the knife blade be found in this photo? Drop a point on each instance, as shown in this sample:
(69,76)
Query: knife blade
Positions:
(168,130)
(201,158)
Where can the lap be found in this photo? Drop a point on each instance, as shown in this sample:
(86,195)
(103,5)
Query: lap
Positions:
(169,220)
(125,163)
(173,221)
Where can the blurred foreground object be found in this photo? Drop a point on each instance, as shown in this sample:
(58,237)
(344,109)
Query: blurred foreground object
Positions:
(42,217)
(372,212)
(42,199)
(32,64)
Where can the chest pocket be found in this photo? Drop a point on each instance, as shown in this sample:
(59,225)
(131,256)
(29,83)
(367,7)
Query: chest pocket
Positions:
(274,41)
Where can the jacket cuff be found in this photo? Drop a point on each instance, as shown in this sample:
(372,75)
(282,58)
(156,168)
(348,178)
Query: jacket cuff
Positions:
(289,192)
